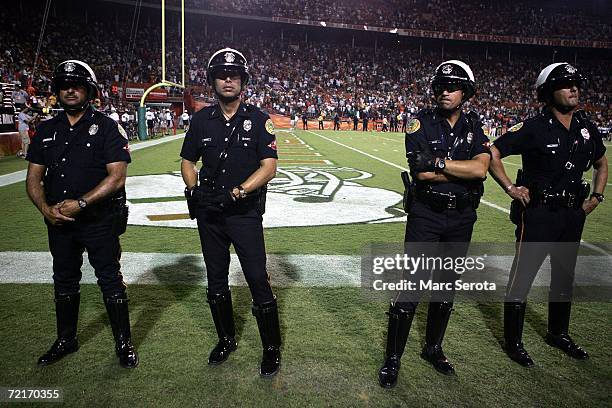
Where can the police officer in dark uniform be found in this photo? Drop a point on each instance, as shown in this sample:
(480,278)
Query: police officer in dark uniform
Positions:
(336,121)
(238,149)
(365,117)
(550,203)
(76,178)
(449,156)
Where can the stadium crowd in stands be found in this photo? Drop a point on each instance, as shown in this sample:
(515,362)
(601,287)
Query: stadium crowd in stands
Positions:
(516,18)
(291,75)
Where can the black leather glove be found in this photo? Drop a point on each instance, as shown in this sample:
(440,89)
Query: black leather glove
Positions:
(421,160)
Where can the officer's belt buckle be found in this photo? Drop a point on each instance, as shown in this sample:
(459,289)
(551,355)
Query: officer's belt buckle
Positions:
(569,165)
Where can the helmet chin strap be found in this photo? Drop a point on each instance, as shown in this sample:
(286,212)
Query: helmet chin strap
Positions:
(74,109)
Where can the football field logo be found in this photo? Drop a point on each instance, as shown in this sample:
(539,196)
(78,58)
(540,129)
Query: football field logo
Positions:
(298,196)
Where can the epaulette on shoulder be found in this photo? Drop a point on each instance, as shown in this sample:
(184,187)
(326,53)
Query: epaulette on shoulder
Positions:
(206,111)
(473,117)
(427,112)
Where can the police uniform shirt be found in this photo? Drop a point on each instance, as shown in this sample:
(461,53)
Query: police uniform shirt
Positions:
(253,140)
(544,145)
(76,156)
(463,142)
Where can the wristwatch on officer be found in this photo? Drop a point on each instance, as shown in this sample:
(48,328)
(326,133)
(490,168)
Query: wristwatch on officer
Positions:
(82,203)
(440,165)
(598,196)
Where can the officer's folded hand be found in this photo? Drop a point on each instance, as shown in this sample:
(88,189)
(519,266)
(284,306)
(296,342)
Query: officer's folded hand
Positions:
(53,214)
(520,193)
(589,205)
(70,208)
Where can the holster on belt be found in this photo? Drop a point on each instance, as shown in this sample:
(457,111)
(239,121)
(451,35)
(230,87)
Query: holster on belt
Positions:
(408,198)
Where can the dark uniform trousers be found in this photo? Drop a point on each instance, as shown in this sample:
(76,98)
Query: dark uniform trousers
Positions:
(453,227)
(67,244)
(546,231)
(245,231)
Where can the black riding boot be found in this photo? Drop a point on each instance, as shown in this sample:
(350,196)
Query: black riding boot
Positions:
(558,325)
(67,317)
(514,317)
(266,315)
(438,316)
(119,316)
(223,316)
(397,334)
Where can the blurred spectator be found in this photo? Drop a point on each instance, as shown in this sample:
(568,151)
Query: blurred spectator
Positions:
(24,118)
(20,98)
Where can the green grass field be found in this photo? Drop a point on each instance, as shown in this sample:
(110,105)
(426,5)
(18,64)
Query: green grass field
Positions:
(333,337)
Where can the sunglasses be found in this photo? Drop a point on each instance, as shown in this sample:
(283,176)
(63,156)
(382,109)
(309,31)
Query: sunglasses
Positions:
(438,89)
(567,85)
(65,85)
(234,75)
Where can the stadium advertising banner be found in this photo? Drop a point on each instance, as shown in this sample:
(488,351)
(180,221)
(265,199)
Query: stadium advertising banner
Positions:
(134,91)
(7,111)
(7,120)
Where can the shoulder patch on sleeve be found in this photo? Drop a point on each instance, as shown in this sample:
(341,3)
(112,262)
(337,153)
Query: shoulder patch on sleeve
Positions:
(269,126)
(516,127)
(413,126)
(122,131)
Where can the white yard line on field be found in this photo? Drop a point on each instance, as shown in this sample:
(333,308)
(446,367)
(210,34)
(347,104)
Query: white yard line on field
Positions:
(285,270)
